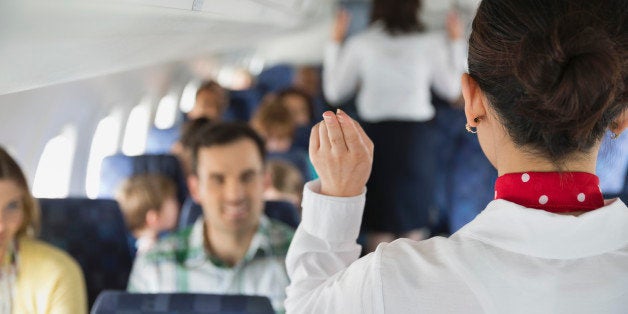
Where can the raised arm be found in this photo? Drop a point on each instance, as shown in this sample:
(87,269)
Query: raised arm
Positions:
(449,60)
(340,66)
(325,276)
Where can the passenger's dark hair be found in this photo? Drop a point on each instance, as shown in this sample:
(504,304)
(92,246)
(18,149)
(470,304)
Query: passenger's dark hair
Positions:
(224,133)
(398,16)
(555,71)
(189,131)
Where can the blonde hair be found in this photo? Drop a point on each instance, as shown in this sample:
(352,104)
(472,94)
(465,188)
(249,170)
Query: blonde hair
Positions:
(286,178)
(141,193)
(273,118)
(9,170)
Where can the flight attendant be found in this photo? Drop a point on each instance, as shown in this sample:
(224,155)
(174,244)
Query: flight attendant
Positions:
(546,80)
(393,65)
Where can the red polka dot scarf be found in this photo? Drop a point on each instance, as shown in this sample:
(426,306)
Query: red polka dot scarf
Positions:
(551,191)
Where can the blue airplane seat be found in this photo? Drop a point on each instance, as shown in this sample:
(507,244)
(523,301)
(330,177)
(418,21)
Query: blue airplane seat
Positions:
(297,157)
(242,104)
(94,234)
(471,184)
(612,166)
(113,302)
(116,168)
(159,141)
(302,138)
(275,78)
(278,210)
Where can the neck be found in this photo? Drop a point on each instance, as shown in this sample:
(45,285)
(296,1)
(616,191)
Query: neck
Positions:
(513,159)
(230,248)
(145,233)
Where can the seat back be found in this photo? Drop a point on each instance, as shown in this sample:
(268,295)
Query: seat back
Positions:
(159,141)
(298,158)
(242,104)
(116,168)
(612,165)
(110,302)
(94,234)
(278,210)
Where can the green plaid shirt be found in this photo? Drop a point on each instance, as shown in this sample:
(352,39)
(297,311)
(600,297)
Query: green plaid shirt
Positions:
(180,263)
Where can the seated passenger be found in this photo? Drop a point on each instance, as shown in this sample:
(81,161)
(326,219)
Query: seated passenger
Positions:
(299,104)
(182,148)
(149,205)
(275,123)
(547,79)
(286,183)
(34,277)
(211,102)
(233,248)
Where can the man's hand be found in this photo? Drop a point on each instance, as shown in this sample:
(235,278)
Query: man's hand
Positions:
(342,155)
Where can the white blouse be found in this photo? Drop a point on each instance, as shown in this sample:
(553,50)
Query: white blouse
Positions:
(510,259)
(394,73)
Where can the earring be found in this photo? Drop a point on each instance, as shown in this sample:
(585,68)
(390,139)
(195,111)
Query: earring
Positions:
(472,129)
(614,126)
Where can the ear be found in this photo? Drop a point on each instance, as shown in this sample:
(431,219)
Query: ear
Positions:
(193,186)
(152,218)
(474,100)
(622,122)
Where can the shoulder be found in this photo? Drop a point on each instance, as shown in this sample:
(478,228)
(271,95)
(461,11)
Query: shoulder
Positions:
(46,259)
(174,247)
(431,258)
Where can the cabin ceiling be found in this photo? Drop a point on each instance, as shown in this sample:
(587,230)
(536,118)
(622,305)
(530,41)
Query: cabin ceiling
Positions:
(49,42)
(43,43)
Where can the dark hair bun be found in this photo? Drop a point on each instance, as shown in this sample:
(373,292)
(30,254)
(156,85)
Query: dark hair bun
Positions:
(570,75)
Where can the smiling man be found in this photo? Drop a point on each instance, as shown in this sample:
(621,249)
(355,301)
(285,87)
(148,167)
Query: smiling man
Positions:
(233,248)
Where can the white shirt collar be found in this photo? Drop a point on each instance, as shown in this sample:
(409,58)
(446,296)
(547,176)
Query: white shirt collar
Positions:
(543,234)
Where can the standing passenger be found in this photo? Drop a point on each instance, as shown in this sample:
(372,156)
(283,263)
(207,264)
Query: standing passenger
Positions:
(393,65)
(546,80)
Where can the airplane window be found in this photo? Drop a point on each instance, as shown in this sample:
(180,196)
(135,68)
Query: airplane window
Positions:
(188,97)
(104,143)
(52,177)
(136,130)
(166,112)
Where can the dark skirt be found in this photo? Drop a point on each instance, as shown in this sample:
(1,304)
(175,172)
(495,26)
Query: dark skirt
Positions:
(400,191)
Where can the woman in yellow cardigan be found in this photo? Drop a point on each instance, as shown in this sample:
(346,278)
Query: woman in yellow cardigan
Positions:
(34,276)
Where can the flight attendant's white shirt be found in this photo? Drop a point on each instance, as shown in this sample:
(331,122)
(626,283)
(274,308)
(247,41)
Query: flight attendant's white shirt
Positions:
(394,73)
(510,259)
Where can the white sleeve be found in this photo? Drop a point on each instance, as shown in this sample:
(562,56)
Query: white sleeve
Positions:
(340,71)
(448,65)
(325,273)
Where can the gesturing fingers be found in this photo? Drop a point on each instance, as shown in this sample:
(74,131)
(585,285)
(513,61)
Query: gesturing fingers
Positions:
(349,130)
(323,139)
(334,132)
(314,139)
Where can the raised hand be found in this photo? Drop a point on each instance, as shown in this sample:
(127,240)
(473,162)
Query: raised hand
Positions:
(454,26)
(341,26)
(342,154)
